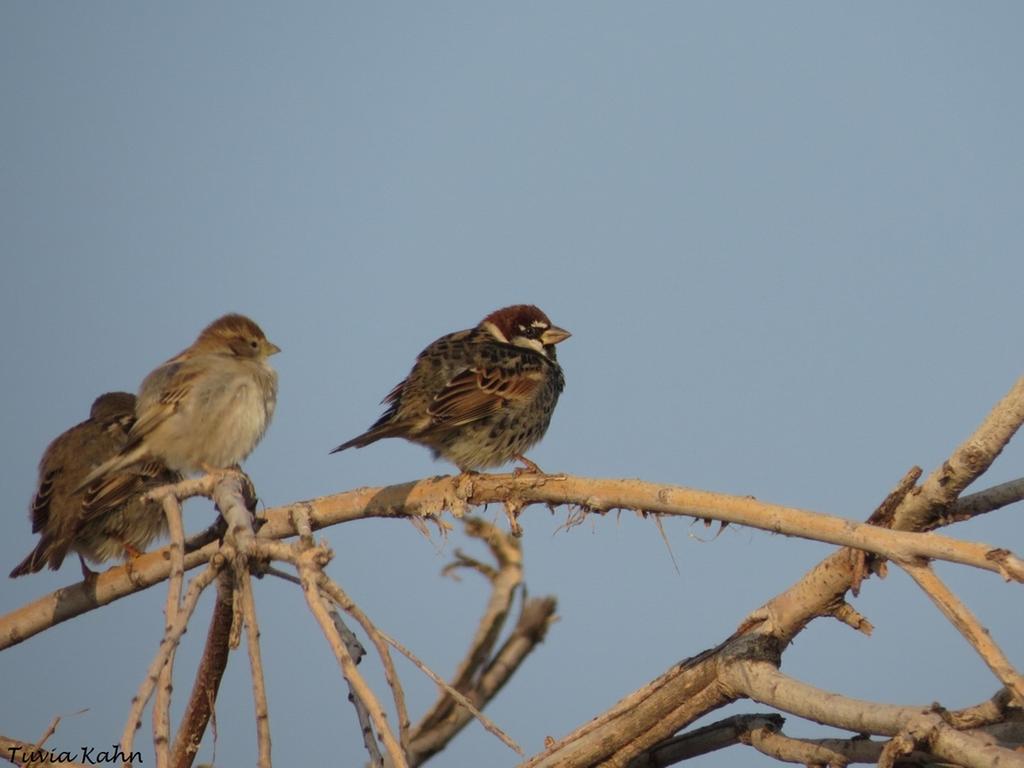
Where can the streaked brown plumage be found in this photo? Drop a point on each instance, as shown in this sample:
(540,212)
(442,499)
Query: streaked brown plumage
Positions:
(205,408)
(99,523)
(480,397)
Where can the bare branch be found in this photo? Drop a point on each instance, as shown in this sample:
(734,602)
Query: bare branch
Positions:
(980,503)
(762,682)
(709,738)
(329,588)
(243,583)
(170,640)
(535,617)
(340,598)
(432,496)
(504,581)
(995,710)
(485,721)
(690,689)
(968,626)
(882,516)
(309,573)
(356,651)
(966,464)
(208,676)
(480,675)
(162,704)
(644,718)
(850,616)
(76,599)
(696,686)
(837,752)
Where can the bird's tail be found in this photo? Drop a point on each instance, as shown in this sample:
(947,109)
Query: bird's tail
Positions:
(36,559)
(371,435)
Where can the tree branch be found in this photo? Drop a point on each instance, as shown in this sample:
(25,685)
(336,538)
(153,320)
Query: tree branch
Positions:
(357,651)
(172,637)
(480,675)
(709,738)
(430,497)
(762,682)
(310,573)
(654,712)
(694,687)
(208,676)
(162,704)
(966,464)
(980,503)
(968,625)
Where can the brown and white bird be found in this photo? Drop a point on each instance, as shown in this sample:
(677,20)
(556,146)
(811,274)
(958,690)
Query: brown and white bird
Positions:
(481,397)
(205,408)
(69,519)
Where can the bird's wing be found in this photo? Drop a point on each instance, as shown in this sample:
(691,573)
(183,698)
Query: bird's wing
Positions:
(161,395)
(478,392)
(41,501)
(116,489)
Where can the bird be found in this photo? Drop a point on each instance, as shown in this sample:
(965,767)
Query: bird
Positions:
(207,407)
(480,397)
(98,529)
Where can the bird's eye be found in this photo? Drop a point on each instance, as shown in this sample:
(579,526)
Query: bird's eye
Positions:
(531,331)
(254,344)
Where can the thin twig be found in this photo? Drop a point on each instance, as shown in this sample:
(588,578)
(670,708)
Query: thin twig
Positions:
(243,583)
(170,640)
(162,703)
(19,752)
(333,592)
(968,625)
(50,730)
(201,703)
(536,616)
(706,739)
(482,672)
(310,572)
(508,554)
(485,721)
(339,597)
(301,520)
(356,651)
(980,503)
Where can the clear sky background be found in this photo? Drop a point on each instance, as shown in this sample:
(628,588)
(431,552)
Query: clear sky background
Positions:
(786,237)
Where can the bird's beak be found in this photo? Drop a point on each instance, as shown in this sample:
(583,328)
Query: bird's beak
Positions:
(553,335)
(272,348)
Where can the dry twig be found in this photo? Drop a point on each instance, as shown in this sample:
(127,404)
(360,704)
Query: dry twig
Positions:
(162,704)
(200,706)
(961,617)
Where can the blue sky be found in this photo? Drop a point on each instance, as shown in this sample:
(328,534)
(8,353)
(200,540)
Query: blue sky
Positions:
(786,238)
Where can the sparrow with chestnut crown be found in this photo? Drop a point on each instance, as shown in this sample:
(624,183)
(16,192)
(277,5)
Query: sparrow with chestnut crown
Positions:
(480,397)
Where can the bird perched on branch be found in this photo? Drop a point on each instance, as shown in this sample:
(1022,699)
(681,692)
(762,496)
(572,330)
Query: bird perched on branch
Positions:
(116,522)
(205,408)
(481,397)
